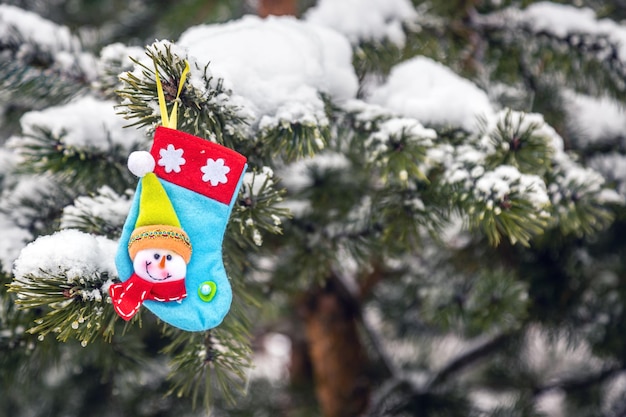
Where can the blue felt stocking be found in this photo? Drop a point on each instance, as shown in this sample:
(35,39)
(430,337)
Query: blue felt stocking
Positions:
(201,180)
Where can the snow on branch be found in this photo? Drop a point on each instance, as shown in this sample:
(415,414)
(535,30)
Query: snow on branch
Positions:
(38,51)
(85,134)
(365,21)
(576,28)
(103,213)
(18,24)
(77,255)
(433,94)
(14,239)
(277,66)
(68,274)
(563,21)
(594,122)
(257,209)
(398,147)
(84,123)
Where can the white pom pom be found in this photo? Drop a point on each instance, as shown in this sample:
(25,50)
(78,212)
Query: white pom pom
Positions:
(140,163)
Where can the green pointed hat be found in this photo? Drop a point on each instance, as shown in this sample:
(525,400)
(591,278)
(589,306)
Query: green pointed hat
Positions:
(157,225)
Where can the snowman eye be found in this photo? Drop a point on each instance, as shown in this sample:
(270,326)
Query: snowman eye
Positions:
(157,256)
(168,257)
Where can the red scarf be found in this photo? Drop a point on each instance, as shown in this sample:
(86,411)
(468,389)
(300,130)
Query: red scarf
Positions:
(128,296)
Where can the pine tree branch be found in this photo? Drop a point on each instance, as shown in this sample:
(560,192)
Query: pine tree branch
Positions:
(580,382)
(410,382)
(207,113)
(618,409)
(32,74)
(385,391)
(457,364)
(470,357)
(586,53)
(45,151)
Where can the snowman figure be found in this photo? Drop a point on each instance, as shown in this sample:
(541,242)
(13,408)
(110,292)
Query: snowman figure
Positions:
(160,251)
(159,265)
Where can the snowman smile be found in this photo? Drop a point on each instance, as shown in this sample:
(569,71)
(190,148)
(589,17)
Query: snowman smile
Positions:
(148,263)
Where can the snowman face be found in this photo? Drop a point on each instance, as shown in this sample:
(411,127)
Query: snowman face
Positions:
(159,265)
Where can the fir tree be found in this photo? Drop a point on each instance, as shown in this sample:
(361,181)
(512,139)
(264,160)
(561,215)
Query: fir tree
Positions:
(430,224)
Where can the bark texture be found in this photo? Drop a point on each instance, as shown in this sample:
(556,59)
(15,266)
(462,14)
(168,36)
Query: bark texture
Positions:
(277,7)
(337,355)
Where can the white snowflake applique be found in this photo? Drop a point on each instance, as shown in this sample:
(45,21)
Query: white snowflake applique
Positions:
(171,159)
(215,172)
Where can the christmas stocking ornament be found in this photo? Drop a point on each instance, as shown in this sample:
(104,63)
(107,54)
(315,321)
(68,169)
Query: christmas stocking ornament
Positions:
(170,253)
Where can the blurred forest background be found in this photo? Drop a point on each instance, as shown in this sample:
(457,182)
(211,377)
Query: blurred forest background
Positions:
(459,257)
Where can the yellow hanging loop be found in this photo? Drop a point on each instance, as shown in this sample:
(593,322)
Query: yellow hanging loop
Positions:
(170,120)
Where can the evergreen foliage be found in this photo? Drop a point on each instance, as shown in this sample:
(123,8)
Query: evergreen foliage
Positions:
(473,272)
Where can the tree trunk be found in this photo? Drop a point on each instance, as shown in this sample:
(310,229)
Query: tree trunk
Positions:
(337,355)
(276,7)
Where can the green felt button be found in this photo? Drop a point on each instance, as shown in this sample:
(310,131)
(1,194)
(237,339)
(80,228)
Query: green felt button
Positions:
(207,290)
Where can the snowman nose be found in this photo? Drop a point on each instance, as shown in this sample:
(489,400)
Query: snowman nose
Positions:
(162,262)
